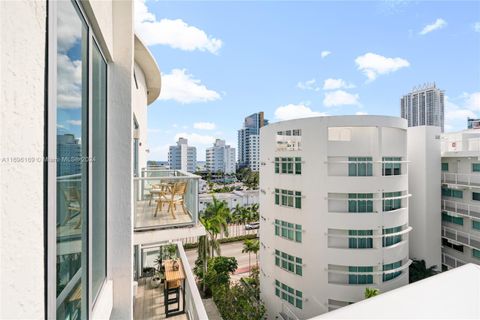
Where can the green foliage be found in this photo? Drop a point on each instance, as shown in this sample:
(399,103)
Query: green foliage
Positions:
(251,246)
(248,177)
(219,270)
(238,302)
(188,246)
(371,292)
(418,270)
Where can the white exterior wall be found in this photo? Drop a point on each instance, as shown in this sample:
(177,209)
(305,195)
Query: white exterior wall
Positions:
(424,185)
(22,112)
(220,157)
(254,150)
(373,136)
(140,113)
(460,156)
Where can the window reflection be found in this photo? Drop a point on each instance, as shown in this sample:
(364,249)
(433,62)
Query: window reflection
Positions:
(71,172)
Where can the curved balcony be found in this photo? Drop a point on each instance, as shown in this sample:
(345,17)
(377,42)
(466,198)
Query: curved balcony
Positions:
(367,220)
(366,184)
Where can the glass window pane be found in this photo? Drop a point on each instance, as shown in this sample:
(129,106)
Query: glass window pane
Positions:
(99,183)
(71,193)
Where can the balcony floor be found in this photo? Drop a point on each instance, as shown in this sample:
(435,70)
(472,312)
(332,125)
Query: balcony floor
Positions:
(149,303)
(144,215)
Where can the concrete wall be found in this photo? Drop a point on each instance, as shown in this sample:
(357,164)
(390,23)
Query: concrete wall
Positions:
(22,112)
(424,185)
(140,111)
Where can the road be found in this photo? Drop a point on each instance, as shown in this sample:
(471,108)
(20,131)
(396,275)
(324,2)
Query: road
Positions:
(233,249)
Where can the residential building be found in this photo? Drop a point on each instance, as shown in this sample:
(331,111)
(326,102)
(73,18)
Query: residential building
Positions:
(460,205)
(248,141)
(411,302)
(69,151)
(243,198)
(81,75)
(424,106)
(182,156)
(333,212)
(220,158)
(423,149)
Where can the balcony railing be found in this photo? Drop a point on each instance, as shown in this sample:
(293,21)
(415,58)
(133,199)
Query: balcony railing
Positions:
(461,237)
(165,199)
(150,300)
(451,262)
(463,179)
(462,209)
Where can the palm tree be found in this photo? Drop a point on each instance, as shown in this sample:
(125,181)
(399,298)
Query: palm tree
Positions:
(418,270)
(215,222)
(236,216)
(204,253)
(371,292)
(249,246)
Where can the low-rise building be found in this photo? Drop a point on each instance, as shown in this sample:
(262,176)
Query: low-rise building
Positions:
(220,158)
(243,198)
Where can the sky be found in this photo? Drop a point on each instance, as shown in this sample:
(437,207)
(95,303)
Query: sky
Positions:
(222,61)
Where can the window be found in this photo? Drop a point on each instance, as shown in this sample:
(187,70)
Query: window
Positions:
(476,167)
(391,266)
(360,243)
(476,196)
(286,293)
(458,247)
(390,167)
(359,166)
(444,166)
(288,262)
(448,218)
(358,202)
(391,201)
(288,165)
(447,192)
(288,198)
(391,240)
(288,230)
(356,277)
(289,140)
(476,254)
(79,123)
(476,225)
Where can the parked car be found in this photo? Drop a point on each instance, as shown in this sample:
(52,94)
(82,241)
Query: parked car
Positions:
(252,226)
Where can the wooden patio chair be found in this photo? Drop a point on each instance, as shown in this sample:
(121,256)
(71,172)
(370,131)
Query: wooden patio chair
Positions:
(163,191)
(73,202)
(177,197)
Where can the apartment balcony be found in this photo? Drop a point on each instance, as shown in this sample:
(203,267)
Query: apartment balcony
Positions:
(464,180)
(451,262)
(177,296)
(459,237)
(462,209)
(165,199)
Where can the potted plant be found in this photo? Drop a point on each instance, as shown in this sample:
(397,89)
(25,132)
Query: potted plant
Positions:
(156,280)
(171,251)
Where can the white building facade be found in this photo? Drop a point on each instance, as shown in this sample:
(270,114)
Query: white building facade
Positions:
(249,141)
(460,205)
(333,212)
(243,198)
(424,106)
(182,156)
(220,157)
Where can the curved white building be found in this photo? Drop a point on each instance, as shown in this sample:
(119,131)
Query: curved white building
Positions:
(334,212)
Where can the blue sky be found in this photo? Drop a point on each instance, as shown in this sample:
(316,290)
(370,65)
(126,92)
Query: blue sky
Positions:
(222,61)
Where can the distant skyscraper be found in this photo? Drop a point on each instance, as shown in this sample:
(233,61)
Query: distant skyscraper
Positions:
(473,123)
(220,157)
(182,156)
(69,151)
(248,141)
(424,106)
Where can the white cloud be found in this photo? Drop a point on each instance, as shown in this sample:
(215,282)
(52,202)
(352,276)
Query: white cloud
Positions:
(174,33)
(340,98)
(75,122)
(195,138)
(295,111)
(476,26)
(361,113)
(332,84)
(182,87)
(438,24)
(372,65)
(204,125)
(456,114)
(308,85)
(325,53)
(69,82)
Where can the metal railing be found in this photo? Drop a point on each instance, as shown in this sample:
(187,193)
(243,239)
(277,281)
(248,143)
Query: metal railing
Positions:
(451,262)
(462,209)
(461,237)
(156,203)
(464,179)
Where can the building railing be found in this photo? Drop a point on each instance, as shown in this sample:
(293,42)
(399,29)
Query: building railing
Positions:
(451,262)
(462,209)
(464,179)
(461,237)
(165,199)
(287,313)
